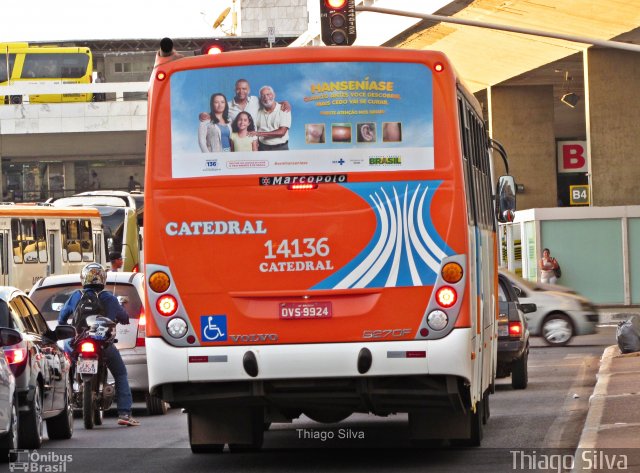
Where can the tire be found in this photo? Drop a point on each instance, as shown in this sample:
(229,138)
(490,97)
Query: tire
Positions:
(60,427)
(155,405)
(486,412)
(32,423)
(557,330)
(202,448)
(10,441)
(88,404)
(519,371)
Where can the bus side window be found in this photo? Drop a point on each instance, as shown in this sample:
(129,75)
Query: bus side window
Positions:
(63,233)
(16,238)
(41,239)
(74,252)
(86,240)
(29,244)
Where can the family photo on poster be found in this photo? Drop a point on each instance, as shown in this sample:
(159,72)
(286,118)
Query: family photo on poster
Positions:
(366,110)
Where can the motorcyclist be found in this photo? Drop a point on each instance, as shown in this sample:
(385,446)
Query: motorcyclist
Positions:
(93,278)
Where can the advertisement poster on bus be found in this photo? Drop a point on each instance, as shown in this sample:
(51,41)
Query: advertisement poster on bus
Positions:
(311,117)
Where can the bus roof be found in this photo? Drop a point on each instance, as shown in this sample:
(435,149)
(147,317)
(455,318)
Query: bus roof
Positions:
(47,211)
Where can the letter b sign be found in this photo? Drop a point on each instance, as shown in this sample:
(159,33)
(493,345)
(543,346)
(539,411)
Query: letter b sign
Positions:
(572,156)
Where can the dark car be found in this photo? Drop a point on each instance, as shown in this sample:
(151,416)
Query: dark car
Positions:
(41,369)
(8,397)
(513,335)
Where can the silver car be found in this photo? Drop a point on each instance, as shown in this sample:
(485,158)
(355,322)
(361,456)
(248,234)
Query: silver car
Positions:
(561,313)
(50,293)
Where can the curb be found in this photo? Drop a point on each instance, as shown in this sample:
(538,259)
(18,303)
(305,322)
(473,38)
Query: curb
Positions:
(597,400)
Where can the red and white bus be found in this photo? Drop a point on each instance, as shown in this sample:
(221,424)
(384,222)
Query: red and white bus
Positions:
(351,268)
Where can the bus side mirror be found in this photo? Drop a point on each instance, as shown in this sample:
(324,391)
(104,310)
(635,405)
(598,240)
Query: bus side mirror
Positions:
(506,199)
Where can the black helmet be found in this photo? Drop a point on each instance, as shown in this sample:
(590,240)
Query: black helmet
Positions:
(93,276)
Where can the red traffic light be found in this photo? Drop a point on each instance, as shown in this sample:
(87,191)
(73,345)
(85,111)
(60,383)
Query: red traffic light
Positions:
(213,48)
(338,22)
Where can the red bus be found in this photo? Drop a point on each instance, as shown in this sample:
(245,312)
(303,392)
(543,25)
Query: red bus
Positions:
(346,262)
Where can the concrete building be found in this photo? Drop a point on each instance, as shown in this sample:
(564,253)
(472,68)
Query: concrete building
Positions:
(587,141)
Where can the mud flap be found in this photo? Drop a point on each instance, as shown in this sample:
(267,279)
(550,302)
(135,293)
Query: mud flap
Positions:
(215,425)
(429,424)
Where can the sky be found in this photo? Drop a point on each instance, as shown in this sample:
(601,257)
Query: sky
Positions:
(58,20)
(64,20)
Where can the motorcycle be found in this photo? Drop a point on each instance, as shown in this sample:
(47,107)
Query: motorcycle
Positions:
(92,393)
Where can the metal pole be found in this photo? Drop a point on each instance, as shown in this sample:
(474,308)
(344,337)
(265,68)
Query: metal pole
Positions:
(512,29)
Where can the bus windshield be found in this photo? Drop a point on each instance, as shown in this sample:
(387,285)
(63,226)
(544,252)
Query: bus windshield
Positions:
(113,224)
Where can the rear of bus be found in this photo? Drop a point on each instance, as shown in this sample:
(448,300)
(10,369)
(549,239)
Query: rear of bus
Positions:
(311,279)
(45,65)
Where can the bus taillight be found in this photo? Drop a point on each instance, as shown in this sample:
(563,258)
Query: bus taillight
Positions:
(302,187)
(167,305)
(446,296)
(452,272)
(159,281)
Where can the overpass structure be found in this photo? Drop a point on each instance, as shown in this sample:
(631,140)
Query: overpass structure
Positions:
(520,80)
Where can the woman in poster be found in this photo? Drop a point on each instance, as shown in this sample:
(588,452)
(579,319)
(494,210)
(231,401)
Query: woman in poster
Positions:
(214,133)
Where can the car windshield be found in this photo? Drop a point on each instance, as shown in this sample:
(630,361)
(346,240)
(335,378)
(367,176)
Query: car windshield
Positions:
(50,299)
(520,281)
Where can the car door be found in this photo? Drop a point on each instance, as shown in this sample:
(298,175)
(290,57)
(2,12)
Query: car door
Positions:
(56,363)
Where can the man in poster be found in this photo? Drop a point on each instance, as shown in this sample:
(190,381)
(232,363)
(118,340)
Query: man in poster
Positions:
(272,123)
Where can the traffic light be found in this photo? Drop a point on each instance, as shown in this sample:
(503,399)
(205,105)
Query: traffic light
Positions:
(338,22)
(213,47)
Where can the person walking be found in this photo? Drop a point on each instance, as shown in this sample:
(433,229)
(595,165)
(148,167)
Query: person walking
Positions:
(548,267)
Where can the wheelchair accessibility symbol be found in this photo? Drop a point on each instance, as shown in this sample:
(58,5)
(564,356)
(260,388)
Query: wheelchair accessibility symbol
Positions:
(213,328)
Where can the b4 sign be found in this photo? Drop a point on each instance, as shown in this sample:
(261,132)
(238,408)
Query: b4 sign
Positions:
(572,156)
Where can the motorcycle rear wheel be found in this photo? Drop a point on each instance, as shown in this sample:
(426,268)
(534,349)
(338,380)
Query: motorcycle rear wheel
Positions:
(88,404)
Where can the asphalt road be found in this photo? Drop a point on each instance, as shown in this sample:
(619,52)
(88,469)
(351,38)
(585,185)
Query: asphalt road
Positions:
(549,414)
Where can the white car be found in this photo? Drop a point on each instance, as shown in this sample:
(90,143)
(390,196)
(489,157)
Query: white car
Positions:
(561,313)
(50,293)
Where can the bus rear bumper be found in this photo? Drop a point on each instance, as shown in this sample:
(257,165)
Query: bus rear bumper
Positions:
(401,373)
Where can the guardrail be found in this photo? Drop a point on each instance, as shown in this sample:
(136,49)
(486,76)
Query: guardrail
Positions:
(119,88)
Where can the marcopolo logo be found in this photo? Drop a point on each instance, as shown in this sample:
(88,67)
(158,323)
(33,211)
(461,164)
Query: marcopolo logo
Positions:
(314,179)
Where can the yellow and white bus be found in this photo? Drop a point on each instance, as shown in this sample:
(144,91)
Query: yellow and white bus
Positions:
(121,219)
(21,63)
(37,241)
